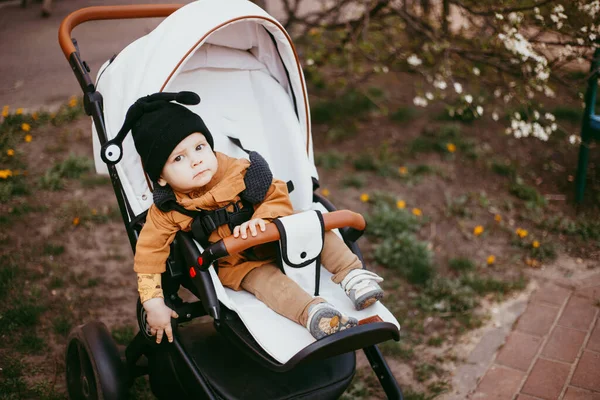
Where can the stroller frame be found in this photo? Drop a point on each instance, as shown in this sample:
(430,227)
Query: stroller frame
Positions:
(95,365)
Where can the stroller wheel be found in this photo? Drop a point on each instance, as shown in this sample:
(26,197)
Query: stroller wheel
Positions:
(94,370)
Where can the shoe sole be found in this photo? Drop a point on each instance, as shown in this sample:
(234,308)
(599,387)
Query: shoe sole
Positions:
(368,300)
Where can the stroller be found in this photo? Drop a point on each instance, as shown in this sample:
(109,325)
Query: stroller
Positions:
(227,344)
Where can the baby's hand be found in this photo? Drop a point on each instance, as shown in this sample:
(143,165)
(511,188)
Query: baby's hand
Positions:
(241,229)
(159,318)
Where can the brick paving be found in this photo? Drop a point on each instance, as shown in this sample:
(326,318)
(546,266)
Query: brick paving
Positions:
(553,351)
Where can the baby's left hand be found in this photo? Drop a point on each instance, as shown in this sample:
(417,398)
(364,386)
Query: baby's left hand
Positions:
(243,228)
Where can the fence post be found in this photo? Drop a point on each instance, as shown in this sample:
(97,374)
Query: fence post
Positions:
(590,127)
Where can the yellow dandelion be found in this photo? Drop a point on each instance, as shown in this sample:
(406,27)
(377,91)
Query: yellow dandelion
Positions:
(403,170)
(364,197)
(535,244)
(5,173)
(522,232)
(491,259)
(19,111)
(478,230)
(401,204)
(417,212)
(5,111)
(76,221)
(35,116)
(10,152)
(72,101)
(25,127)
(94,211)
(451,147)
(28,138)
(53,115)
(497,217)
(325,192)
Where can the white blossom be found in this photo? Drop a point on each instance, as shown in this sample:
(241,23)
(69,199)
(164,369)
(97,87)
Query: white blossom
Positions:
(469,98)
(495,116)
(573,139)
(420,101)
(458,87)
(385,69)
(310,62)
(479,110)
(536,115)
(429,96)
(476,71)
(414,60)
(497,93)
(440,84)
(549,117)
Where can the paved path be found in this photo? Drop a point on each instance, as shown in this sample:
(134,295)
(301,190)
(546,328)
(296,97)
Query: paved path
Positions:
(553,351)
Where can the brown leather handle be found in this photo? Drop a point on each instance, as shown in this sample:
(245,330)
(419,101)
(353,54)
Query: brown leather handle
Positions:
(108,12)
(332,220)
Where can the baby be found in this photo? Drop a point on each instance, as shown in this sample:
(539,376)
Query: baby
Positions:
(177,152)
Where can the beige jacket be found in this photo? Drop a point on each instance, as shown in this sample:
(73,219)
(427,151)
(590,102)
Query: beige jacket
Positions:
(160,228)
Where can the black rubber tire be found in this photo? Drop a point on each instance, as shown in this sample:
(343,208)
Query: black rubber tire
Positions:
(94,370)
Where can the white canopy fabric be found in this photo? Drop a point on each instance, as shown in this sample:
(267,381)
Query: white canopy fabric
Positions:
(205,36)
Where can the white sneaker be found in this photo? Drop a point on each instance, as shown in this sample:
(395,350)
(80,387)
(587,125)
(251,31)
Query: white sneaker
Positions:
(361,286)
(324,319)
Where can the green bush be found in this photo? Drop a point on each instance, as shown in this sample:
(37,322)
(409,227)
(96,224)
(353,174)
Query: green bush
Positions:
(407,255)
(330,159)
(461,264)
(72,167)
(443,295)
(386,221)
(528,193)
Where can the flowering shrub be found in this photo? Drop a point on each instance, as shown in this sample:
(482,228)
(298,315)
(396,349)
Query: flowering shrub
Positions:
(477,57)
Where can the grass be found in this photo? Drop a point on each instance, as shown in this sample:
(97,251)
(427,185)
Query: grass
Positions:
(383,161)
(458,206)
(53,249)
(345,108)
(426,371)
(123,334)
(404,114)
(355,181)
(387,220)
(437,139)
(62,324)
(461,264)
(529,194)
(407,255)
(504,168)
(93,180)
(8,273)
(72,167)
(397,349)
(330,160)
(31,343)
(23,315)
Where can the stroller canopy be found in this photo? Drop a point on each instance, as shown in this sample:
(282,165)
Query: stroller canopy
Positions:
(242,63)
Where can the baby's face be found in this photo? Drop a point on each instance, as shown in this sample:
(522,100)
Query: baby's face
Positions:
(191,165)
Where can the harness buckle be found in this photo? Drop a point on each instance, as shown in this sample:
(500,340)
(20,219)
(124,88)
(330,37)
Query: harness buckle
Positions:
(208,224)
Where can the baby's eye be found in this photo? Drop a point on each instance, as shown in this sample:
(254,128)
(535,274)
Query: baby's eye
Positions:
(199,147)
(177,159)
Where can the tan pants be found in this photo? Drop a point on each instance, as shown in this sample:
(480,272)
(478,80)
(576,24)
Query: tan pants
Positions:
(286,297)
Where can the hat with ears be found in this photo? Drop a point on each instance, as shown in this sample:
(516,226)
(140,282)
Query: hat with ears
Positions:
(157,126)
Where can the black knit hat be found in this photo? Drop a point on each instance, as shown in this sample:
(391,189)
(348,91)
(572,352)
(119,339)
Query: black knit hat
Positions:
(157,127)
